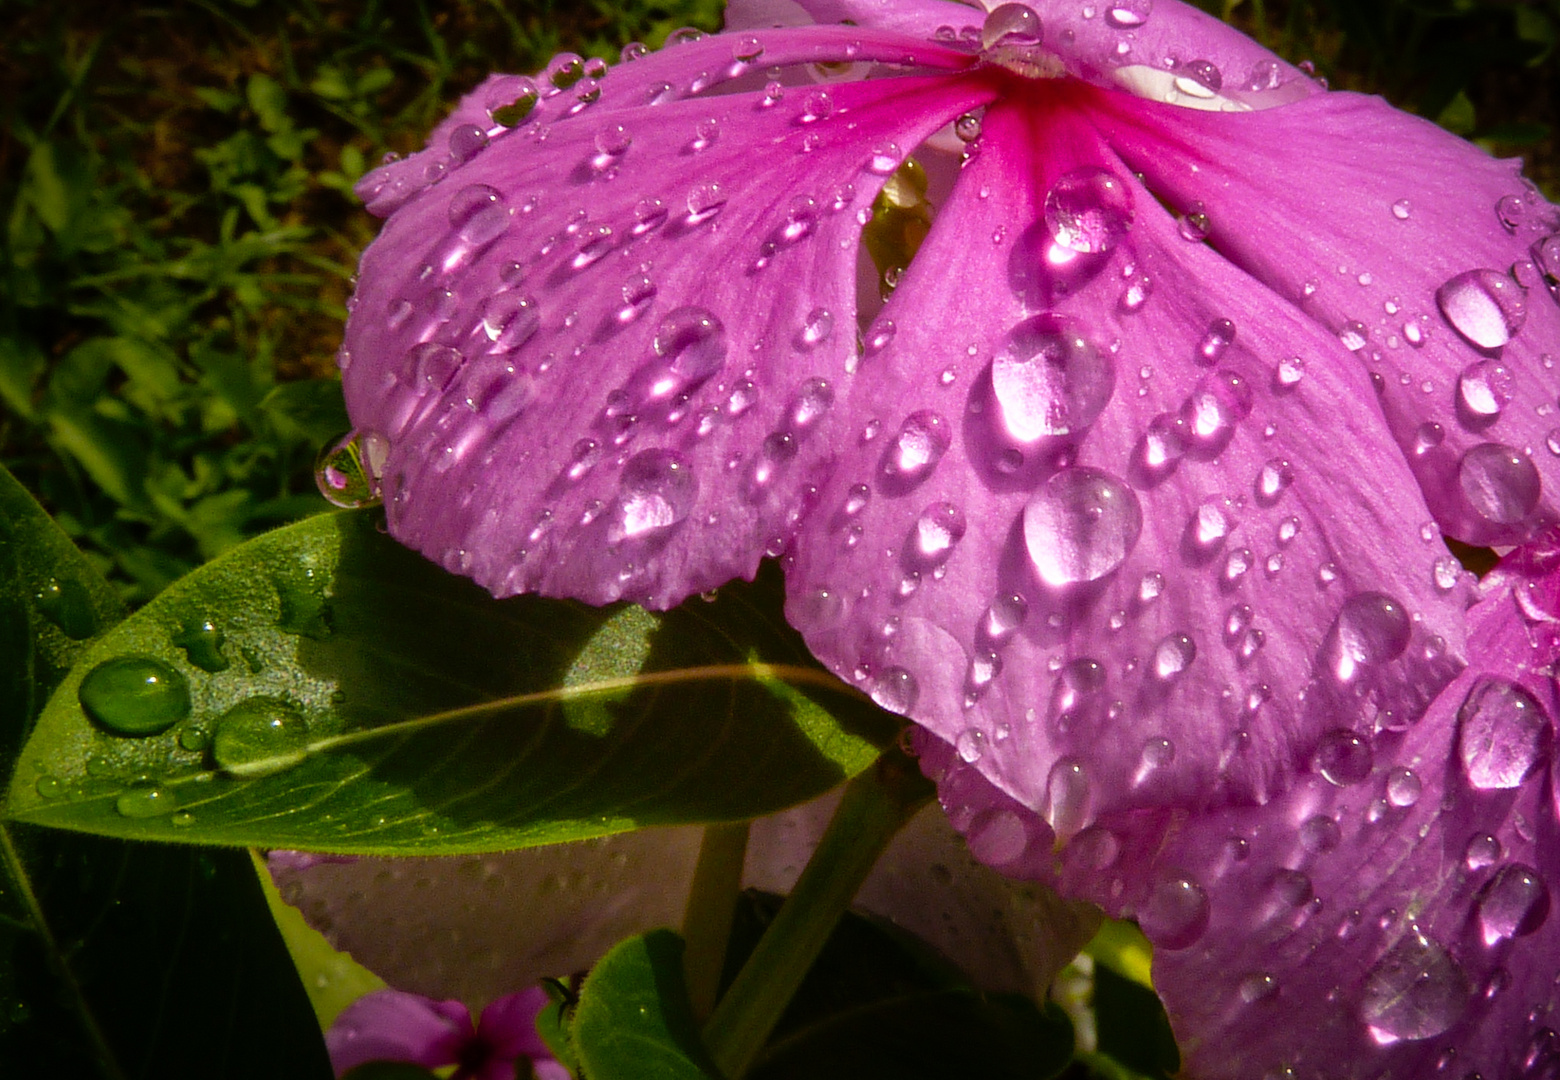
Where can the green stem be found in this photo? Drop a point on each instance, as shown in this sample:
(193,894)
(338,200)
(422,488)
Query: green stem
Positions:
(712,904)
(875,805)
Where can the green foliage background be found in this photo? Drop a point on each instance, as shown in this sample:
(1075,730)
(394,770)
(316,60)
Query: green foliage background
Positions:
(179,233)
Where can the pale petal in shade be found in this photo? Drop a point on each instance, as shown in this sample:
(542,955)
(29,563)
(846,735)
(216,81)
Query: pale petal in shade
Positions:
(477,928)
(1390,914)
(389,1025)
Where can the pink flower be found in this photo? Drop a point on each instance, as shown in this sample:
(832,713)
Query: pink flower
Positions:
(389,1025)
(1131,494)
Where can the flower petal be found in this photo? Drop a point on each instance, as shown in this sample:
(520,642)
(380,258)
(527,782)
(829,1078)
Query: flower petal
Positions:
(1403,241)
(390,1025)
(508,1025)
(691,442)
(1397,923)
(1112,551)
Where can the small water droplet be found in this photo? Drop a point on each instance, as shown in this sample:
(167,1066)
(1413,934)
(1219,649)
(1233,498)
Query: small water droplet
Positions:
(135,695)
(1049,379)
(1403,787)
(747,49)
(934,535)
(1503,734)
(896,690)
(347,471)
(1272,481)
(1486,307)
(922,441)
(1400,209)
(1078,699)
(1173,656)
(816,329)
(1484,388)
(1128,14)
(1067,798)
(202,643)
(1194,225)
(1198,78)
(1343,758)
(1371,629)
(1319,834)
(704,202)
(259,737)
(1010,25)
(145,801)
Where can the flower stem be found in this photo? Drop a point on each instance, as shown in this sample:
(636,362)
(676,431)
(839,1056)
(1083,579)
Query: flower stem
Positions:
(712,904)
(875,805)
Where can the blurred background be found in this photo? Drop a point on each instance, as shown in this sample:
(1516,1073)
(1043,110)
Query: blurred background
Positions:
(179,232)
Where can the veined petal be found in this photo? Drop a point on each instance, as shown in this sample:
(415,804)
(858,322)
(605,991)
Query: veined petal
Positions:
(390,1025)
(1429,260)
(1395,924)
(1089,530)
(567,400)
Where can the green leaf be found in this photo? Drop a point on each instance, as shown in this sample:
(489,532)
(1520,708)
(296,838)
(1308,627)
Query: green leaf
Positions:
(880,1004)
(1133,1028)
(633,1021)
(121,960)
(310,410)
(323,687)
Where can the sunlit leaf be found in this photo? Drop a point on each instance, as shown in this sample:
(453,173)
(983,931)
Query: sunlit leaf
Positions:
(322,687)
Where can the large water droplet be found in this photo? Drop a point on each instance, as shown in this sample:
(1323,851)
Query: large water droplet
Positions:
(1175,914)
(1371,629)
(1080,526)
(1010,24)
(478,215)
(922,441)
(1049,379)
(1416,991)
(1485,306)
(145,801)
(1199,78)
(1503,734)
(1218,402)
(1501,484)
(1514,903)
(1403,787)
(1004,616)
(657,490)
(68,605)
(1343,758)
(347,471)
(1160,450)
(1173,656)
(1089,210)
(135,695)
(259,737)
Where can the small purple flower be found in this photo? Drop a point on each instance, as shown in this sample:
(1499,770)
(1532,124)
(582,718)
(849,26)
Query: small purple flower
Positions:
(1132,493)
(389,1025)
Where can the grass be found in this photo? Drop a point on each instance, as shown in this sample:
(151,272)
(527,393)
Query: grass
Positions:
(179,231)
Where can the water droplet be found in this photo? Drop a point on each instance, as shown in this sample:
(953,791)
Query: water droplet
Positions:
(1003,618)
(1175,914)
(1274,478)
(1218,402)
(1483,850)
(260,737)
(1371,629)
(1194,224)
(1501,484)
(1135,293)
(1220,336)
(478,215)
(747,49)
(347,471)
(1128,14)
(817,328)
(202,643)
(1067,798)
(1319,834)
(1514,903)
(48,787)
(1173,656)
(704,202)
(135,695)
(934,535)
(512,101)
(1078,696)
(692,343)
(657,491)
(1257,987)
(145,801)
(564,70)
(1400,209)
(817,105)
(1089,210)
(896,690)
(1416,991)
(1080,526)
(1486,307)
(970,745)
(1484,388)
(922,441)
(1503,734)
(1010,25)
(1343,758)
(1049,379)
(1160,449)
(68,605)
(1198,78)
(967,127)
(1403,787)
